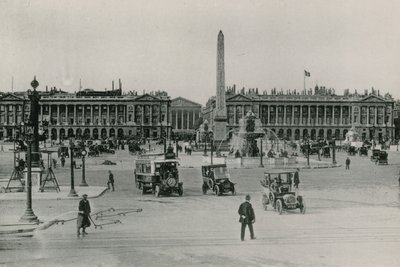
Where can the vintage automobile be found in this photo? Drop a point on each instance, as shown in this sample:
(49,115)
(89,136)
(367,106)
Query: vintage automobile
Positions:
(153,173)
(216,178)
(279,193)
(352,150)
(326,152)
(63,151)
(382,158)
(363,151)
(375,154)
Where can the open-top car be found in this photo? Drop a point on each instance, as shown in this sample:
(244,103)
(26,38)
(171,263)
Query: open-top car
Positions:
(382,157)
(156,174)
(216,178)
(326,152)
(352,150)
(363,151)
(375,155)
(278,191)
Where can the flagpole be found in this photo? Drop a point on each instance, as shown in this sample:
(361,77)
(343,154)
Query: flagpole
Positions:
(304,80)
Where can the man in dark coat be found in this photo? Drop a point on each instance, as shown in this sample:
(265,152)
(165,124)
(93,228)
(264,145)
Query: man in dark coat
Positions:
(110,180)
(83,220)
(296,179)
(247,217)
(347,163)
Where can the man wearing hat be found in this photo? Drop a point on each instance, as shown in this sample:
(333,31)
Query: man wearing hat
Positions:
(247,217)
(83,215)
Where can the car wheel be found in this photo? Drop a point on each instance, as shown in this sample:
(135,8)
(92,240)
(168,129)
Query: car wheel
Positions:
(303,208)
(233,191)
(216,189)
(157,191)
(272,199)
(180,191)
(279,207)
(204,188)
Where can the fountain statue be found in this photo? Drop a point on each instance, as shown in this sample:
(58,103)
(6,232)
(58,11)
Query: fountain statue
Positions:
(244,142)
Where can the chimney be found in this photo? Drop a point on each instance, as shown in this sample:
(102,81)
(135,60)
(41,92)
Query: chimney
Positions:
(47,89)
(120,84)
(113,85)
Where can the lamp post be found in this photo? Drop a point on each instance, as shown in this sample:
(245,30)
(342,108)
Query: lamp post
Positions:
(205,125)
(211,136)
(261,154)
(333,151)
(34,120)
(29,215)
(83,182)
(72,192)
(307,139)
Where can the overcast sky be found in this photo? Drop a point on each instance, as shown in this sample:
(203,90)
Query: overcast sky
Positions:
(152,45)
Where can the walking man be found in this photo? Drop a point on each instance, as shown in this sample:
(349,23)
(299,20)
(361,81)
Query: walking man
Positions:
(247,217)
(296,179)
(83,215)
(110,180)
(347,163)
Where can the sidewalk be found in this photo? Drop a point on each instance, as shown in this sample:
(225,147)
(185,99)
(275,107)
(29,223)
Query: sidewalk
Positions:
(10,225)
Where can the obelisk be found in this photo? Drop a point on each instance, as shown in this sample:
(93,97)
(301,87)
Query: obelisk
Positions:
(220,118)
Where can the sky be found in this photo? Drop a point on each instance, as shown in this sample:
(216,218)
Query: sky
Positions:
(172,45)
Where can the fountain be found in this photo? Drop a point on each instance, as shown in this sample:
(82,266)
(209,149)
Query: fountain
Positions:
(244,142)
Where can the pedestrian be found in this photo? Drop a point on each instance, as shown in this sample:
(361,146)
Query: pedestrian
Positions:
(110,180)
(247,217)
(347,163)
(62,161)
(296,179)
(83,220)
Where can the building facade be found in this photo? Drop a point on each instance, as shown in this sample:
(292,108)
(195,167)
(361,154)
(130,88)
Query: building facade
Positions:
(90,116)
(184,116)
(318,114)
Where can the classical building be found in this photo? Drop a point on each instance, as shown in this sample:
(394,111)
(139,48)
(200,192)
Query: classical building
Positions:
(184,115)
(90,114)
(318,113)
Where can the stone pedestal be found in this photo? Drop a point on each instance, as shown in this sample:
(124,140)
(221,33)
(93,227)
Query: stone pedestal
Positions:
(36,178)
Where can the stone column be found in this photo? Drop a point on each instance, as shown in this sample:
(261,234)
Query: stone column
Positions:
(316,116)
(309,115)
(91,115)
(151,115)
(376,115)
(83,114)
(182,122)
(276,114)
(234,114)
(324,122)
(176,119)
(188,120)
(143,111)
(58,114)
(367,115)
(108,114)
(100,119)
(284,114)
(6,116)
(301,115)
(134,113)
(75,121)
(292,114)
(41,112)
(116,114)
(341,115)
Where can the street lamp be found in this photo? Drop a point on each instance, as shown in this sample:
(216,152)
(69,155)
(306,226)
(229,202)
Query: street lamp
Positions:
(261,154)
(333,142)
(72,192)
(205,127)
(29,215)
(83,183)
